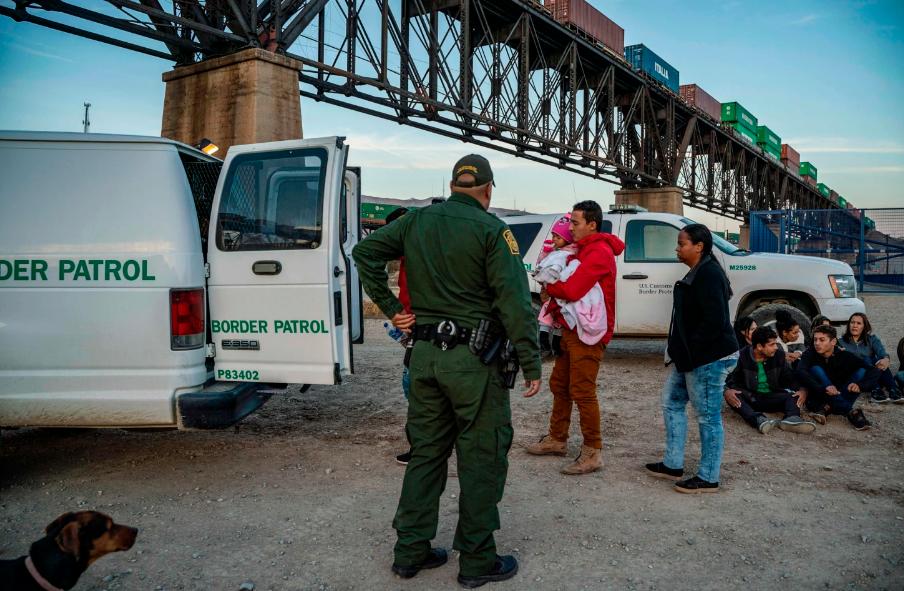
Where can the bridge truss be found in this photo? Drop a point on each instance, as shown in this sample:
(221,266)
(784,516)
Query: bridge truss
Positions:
(498,73)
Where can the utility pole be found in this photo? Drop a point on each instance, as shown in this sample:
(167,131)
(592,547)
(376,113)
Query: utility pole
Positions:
(87,122)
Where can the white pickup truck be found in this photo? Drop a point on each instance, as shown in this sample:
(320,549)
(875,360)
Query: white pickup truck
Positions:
(648,269)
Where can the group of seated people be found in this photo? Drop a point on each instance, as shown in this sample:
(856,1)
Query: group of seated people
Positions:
(778,372)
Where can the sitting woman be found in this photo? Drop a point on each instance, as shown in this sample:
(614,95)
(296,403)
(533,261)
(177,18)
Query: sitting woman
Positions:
(789,340)
(743,330)
(860,340)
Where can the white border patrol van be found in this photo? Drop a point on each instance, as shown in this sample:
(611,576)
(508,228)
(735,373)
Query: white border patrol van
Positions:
(648,269)
(143,286)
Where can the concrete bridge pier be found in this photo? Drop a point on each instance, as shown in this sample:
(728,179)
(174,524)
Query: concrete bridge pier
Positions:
(243,98)
(659,199)
(744,236)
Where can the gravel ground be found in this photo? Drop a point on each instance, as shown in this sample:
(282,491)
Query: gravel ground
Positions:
(302,495)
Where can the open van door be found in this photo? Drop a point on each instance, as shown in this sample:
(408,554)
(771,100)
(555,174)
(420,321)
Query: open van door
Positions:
(352,234)
(280,277)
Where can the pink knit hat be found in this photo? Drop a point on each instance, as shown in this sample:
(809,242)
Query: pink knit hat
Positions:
(563,228)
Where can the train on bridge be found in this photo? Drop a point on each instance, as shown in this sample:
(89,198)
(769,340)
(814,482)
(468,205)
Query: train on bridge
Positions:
(582,17)
(551,82)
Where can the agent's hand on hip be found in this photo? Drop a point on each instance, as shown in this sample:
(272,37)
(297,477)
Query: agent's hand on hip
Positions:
(533,386)
(403,321)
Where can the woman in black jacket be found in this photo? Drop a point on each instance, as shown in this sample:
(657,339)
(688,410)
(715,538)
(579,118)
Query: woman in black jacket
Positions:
(702,349)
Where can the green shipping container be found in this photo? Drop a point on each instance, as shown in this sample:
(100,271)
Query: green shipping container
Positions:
(774,154)
(767,137)
(735,113)
(747,134)
(824,189)
(807,169)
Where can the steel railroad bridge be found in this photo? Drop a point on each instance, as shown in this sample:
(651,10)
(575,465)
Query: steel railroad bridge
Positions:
(502,74)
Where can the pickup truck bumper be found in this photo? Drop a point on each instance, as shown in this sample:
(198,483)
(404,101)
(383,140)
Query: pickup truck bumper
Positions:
(839,310)
(220,404)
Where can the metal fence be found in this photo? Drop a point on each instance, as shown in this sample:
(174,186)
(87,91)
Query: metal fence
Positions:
(871,241)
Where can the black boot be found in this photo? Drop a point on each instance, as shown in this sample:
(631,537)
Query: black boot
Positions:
(436,558)
(504,569)
(557,345)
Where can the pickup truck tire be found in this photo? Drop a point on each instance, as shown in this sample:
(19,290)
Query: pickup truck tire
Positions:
(765,316)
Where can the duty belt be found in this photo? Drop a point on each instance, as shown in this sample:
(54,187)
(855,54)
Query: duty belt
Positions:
(445,335)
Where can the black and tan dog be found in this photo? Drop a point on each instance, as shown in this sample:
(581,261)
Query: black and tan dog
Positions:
(71,544)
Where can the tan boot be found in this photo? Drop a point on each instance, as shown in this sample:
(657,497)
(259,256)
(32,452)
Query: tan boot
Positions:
(547,446)
(589,461)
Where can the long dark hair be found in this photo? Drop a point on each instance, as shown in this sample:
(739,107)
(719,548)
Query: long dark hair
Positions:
(867,327)
(784,322)
(819,319)
(699,233)
(742,325)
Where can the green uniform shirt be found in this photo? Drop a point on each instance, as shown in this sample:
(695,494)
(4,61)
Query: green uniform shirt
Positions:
(762,383)
(462,264)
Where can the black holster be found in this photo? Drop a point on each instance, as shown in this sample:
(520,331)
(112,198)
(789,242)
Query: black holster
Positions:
(502,351)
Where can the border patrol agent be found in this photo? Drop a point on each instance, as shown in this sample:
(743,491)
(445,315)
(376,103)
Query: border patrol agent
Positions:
(474,326)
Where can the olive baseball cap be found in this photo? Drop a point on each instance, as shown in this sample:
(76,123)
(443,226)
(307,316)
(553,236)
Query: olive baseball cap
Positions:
(475,165)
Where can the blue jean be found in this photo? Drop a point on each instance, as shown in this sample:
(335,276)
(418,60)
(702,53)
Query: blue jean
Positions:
(406,382)
(703,387)
(841,404)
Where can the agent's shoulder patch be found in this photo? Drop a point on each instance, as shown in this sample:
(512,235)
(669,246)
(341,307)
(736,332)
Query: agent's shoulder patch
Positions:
(510,241)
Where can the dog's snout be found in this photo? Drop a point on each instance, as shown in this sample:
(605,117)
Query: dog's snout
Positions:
(127,536)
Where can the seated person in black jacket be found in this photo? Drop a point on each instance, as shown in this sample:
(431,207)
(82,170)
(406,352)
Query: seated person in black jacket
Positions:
(764,382)
(834,378)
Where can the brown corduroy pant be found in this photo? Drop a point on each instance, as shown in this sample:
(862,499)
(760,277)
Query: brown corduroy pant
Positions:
(573,381)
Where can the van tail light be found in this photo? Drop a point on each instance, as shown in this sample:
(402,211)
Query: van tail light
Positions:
(186,319)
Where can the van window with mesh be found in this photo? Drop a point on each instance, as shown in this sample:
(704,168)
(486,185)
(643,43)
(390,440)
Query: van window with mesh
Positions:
(273,201)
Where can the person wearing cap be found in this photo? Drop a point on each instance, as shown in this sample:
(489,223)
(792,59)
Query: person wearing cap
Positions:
(464,272)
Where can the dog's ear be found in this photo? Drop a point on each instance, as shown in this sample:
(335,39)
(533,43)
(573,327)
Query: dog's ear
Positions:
(68,540)
(57,524)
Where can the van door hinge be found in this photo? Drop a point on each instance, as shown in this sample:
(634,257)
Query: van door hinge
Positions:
(211,350)
(207,270)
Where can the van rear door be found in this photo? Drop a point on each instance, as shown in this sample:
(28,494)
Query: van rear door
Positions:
(352,232)
(279,280)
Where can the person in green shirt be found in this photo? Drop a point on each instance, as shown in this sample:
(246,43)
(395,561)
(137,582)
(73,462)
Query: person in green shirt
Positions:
(464,272)
(763,382)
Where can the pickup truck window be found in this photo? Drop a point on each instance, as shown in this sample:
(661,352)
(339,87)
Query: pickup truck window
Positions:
(273,201)
(650,241)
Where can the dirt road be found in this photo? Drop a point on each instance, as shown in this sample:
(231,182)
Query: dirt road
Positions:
(302,495)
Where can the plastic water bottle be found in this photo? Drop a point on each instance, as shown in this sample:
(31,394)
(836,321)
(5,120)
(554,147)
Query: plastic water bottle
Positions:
(393,332)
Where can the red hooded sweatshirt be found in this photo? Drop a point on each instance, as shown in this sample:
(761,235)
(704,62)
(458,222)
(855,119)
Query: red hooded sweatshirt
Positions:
(597,256)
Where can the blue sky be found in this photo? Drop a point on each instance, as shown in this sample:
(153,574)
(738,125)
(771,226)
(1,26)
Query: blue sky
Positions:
(826,76)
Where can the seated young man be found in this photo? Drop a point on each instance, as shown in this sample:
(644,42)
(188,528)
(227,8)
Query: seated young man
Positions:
(834,378)
(763,382)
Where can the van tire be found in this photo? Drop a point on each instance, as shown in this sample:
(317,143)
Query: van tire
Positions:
(765,316)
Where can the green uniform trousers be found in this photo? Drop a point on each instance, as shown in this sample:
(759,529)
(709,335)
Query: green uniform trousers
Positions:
(455,400)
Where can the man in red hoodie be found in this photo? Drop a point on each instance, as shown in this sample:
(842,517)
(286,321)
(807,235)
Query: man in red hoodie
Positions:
(573,379)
